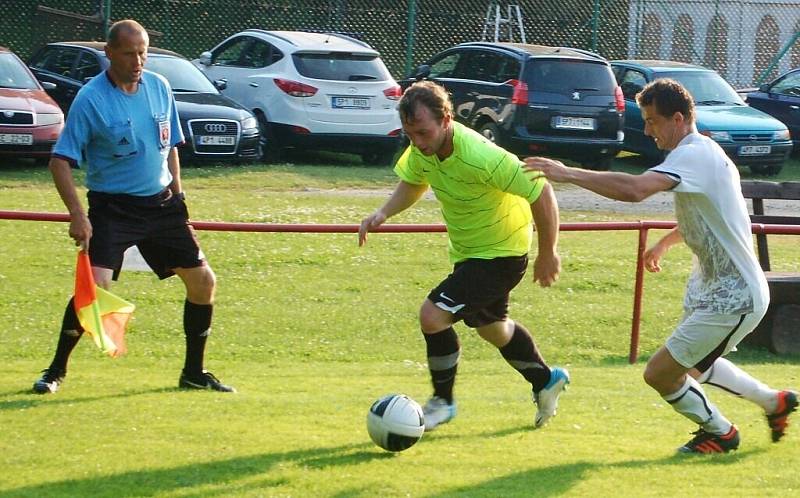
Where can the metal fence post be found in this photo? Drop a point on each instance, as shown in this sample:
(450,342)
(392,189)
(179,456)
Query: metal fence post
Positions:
(105,9)
(595,24)
(411,26)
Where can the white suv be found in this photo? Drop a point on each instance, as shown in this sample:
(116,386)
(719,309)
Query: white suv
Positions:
(321,91)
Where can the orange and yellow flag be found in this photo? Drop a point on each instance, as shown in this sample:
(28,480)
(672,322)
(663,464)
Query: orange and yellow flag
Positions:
(101,313)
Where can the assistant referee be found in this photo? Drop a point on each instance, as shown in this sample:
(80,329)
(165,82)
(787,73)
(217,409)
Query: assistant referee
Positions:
(123,129)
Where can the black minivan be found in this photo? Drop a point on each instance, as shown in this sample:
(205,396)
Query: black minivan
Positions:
(533,99)
(215,127)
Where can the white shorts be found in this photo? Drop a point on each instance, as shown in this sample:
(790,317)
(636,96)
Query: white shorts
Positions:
(701,337)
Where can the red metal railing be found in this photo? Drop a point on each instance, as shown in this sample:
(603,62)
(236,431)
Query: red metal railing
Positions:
(641,226)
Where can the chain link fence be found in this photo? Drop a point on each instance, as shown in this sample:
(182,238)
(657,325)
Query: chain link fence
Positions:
(746,41)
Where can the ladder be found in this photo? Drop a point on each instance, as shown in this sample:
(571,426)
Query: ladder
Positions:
(495,19)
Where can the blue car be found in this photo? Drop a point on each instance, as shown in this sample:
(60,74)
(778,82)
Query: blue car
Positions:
(781,100)
(749,136)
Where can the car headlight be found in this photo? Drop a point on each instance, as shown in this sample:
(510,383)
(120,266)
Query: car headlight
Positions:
(717,136)
(782,135)
(249,123)
(48,119)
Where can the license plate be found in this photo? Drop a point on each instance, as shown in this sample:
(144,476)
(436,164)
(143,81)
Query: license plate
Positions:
(215,140)
(754,150)
(349,103)
(571,123)
(16,139)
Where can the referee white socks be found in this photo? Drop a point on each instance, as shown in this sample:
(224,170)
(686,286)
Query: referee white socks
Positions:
(691,402)
(727,376)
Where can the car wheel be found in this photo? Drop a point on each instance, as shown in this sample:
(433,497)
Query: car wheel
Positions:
(766,169)
(271,150)
(378,158)
(490,131)
(603,163)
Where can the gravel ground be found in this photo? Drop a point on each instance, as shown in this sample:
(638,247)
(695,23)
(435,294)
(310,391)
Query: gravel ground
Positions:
(571,198)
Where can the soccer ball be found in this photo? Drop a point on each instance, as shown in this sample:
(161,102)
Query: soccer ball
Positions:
(395,422)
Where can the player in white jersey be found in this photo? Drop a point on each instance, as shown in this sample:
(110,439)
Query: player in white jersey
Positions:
(727,293)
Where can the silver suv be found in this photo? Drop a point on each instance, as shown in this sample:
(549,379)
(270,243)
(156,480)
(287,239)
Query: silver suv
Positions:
(323,91)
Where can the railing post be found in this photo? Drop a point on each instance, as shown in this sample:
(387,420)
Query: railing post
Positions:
(638,292)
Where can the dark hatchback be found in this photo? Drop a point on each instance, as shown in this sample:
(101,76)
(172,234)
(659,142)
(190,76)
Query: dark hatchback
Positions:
(216,128)
(781,100)
(533,99)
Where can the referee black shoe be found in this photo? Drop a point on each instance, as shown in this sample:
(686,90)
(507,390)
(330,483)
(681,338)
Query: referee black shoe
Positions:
(206,380)
(49,382)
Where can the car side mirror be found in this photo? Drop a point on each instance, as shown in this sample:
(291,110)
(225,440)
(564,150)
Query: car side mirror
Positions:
(205,58)
(422,72)
(49,85)
(221,84)
(763,88)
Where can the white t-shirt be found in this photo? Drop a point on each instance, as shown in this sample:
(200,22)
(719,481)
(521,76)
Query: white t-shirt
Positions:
(714,222)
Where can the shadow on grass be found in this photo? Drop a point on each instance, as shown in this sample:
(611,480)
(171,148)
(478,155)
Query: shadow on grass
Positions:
(31,399)
(186,478)
(559,479)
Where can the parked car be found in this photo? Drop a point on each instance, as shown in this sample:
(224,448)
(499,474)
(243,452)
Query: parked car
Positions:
(533,99)
(781,100)
(216,128)
(322,91)
(749,136)
(30,121)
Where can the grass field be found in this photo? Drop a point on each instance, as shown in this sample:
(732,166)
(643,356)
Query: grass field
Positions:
(311,329)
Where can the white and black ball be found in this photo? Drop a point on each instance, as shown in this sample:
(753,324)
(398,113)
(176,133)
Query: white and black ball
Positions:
(395,422)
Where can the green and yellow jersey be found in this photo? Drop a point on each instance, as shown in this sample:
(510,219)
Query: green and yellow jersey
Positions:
(484,192)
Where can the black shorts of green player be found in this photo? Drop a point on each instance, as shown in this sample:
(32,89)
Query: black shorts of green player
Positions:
(477,291)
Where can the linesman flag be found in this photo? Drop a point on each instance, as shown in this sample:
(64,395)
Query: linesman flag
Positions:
(101,313)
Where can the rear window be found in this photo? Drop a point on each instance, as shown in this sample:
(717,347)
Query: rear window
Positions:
(341,67)
(566,76)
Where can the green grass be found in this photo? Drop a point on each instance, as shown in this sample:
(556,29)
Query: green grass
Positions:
(311,329)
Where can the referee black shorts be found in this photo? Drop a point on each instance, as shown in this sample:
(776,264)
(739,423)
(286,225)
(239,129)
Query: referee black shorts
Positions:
(158,225)
(477,291)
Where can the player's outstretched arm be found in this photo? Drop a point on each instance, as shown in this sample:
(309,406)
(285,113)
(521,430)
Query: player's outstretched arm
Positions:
(611,184)
(547,264)
(80,229)
(403,197)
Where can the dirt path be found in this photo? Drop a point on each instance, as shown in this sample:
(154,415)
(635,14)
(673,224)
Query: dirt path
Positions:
(571,198)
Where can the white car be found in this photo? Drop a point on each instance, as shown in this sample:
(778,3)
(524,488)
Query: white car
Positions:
(321,91)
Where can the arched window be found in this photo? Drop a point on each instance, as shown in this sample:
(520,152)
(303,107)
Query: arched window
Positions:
(766,48)
(682,39)
(716,54)
(796,48)
(650,39)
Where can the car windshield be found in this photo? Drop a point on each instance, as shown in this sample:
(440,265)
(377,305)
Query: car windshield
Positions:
(567,76)
(706,87)
(341,67)
(14,75)
(182,75)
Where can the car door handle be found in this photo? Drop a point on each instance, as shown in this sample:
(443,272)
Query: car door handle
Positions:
(254,85)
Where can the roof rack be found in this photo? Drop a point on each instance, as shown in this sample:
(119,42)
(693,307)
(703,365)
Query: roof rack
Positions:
(587,53)
(272,33)
(501,45)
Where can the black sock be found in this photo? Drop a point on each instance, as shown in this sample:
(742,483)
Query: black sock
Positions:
(196,326)
(522,354)
(71,332)
(444,351)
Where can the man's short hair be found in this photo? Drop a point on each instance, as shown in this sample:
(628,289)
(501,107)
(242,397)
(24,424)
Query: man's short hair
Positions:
(126,26)
(428,94)
(669,97)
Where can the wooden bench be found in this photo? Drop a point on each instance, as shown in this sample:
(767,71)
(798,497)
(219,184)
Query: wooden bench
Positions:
(780,329)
